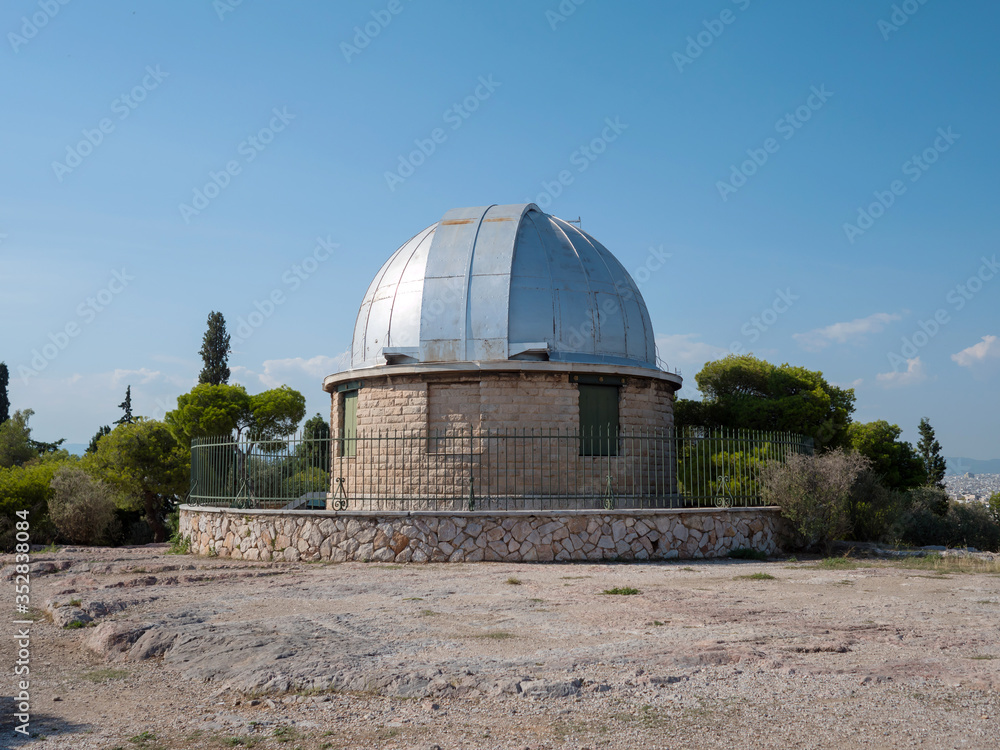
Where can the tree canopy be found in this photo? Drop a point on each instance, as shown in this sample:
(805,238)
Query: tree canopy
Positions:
(101,432)
(741,391)
(893,460)
(930,454)
(229,410)
(144,461)
(316,441)
(214,351)
(15,440)
(16,444)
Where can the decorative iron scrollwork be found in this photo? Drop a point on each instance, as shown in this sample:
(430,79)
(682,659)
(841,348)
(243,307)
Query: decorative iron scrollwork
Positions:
(340,499)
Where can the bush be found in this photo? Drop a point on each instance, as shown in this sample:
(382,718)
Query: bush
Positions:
(745,553)
(82,508)
(993,505)
(874,508)
(959,525)
(932,499)
(971,525)
(814,494)
(27,488)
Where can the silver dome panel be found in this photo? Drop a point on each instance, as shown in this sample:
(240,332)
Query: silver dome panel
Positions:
(497,282)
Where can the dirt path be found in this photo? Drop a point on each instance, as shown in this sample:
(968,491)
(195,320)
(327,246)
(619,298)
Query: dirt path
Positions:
(185,652)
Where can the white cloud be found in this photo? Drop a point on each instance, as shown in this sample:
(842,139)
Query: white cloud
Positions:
(914,374)
(294,370)
(852,384)
(681,351)
(983,354)
(302,374)
(853,331)
(318,367)
(142,375)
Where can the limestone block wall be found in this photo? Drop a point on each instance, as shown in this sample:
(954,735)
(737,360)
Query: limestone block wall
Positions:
(401,406)
(521,536)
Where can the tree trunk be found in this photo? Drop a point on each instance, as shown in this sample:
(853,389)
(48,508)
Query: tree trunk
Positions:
(153,517)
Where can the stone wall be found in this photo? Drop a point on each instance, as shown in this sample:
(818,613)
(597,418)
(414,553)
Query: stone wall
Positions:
(480,402)
(517,536)
(495,401)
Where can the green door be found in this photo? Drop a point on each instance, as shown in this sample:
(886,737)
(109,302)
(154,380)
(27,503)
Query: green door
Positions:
(598,420)
(350,433)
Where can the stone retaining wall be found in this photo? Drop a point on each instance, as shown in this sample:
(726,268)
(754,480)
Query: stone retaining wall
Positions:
(516,536)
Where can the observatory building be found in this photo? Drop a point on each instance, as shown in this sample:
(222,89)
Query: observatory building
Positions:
(503,402)
(498,321)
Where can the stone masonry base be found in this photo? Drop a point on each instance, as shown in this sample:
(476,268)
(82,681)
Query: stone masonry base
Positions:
(515,536)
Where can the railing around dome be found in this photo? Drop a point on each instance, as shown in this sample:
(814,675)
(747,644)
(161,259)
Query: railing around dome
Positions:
(490,471)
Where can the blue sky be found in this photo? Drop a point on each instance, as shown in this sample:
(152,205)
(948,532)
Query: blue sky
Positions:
(815,183)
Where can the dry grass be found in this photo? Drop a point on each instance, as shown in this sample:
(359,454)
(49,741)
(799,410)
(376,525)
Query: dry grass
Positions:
(948,564)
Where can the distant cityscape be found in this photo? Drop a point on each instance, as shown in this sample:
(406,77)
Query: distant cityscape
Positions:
(972,487)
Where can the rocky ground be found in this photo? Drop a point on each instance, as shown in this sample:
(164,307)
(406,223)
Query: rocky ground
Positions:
(135,648)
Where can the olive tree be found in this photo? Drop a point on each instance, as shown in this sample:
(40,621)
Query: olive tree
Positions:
(814,494)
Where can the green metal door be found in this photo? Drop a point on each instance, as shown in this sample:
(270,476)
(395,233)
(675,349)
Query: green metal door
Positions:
(598,420)
(350,423)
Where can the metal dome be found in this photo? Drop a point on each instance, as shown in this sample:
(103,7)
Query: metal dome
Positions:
(502,282)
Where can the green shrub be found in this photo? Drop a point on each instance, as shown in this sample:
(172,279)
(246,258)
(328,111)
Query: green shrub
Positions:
(745,553)
(933,499)
(873,508)
(179,545)
(27,488)
(758,577)
(814,494)
(621,591)
(82,508)
(174,520)
(993,505)
(960,525)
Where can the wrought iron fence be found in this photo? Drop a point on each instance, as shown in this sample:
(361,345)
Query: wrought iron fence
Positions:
(490,470)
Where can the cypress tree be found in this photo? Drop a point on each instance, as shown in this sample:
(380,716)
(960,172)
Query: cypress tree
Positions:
(4,399)
(127,418)
(930,453)
(215,351)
